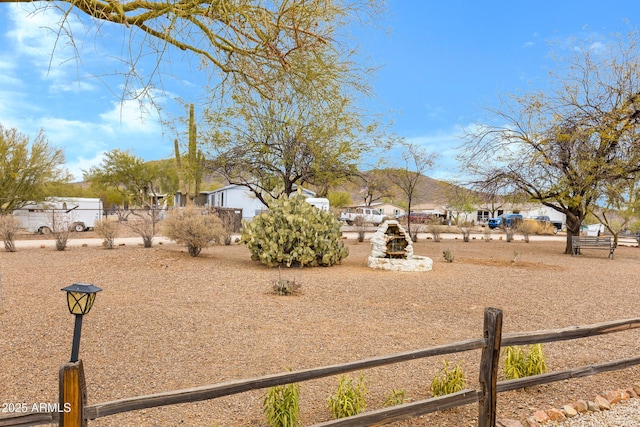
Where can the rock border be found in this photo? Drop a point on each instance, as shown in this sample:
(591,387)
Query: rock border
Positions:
(601,402)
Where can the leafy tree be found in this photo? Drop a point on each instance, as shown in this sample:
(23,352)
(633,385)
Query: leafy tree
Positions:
(128,175)
(462,201)
(564,146)
(244,40)
(339,199)
(308,133)
(621,207)
(376,186)
(415,161)
(27,169)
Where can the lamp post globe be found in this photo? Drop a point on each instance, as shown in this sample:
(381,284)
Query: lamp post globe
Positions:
(80,299)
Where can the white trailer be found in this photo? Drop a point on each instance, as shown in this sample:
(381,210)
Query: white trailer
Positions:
(319,202)
(76,214)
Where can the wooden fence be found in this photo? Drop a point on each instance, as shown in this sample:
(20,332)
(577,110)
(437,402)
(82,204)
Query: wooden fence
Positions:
(72,380)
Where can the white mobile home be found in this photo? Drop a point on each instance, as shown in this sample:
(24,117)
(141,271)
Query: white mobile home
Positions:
(77,214)
(240,197)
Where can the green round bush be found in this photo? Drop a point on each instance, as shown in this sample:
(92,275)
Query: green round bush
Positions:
(292,232)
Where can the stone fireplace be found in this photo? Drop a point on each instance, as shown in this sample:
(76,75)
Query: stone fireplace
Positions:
(392,249)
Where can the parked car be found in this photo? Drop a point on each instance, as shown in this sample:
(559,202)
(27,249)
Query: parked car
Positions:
(415,217)
(509,220)
(370,215)
(557,225)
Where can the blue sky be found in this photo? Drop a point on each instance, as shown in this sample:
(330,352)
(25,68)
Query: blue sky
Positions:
(441,64)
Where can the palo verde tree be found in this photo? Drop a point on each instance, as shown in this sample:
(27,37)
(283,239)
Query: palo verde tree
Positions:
(245,41)
(565,145)
(27,169)
(128,175)
(308,133)
(135,181)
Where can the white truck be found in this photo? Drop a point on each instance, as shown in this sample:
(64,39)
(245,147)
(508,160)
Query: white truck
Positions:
(368,215)
(74,213)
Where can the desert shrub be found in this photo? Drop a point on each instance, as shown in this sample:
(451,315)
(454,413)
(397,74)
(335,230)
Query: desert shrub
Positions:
(60,229)
(361,227)
(292,232)
(9,226)
(486,234)
(436,231)
(510,232)
(465,228)
(528,227)
(281,405)
(193,227)
(108,230)
(395,397)
(349,398)
(231,221)
(519,363)
(448,256)
(448,380)
(143,222)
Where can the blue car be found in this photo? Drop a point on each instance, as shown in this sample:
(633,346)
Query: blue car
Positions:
(509,220)
(495,222)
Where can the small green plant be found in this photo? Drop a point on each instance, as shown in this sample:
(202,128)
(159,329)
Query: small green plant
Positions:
(519,363)
(448,380)
(349,398)
(285,287)
(395,397)
(281,405)
(516,254)
(448,256)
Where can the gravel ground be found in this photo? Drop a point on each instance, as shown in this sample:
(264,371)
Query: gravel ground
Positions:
(167,321)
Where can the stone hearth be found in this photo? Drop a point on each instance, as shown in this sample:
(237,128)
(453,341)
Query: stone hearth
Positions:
(392,249)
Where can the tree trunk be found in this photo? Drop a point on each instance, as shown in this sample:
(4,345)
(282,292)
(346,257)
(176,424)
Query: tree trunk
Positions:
(574,223)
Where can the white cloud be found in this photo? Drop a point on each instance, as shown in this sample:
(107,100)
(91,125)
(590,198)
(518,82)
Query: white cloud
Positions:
(74,133)
(80,164)
(34,38)
(445,143)
(131,116)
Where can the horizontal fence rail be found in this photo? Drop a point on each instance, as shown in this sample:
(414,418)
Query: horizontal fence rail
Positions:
(233,387)
(384,415)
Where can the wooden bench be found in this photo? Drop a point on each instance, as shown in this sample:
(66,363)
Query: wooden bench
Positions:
(592,242)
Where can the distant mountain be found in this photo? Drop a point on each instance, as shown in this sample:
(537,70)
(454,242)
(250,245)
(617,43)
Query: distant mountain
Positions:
(428,190)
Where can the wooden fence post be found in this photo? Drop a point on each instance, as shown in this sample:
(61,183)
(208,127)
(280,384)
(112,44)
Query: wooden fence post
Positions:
(73,395)
(489,367)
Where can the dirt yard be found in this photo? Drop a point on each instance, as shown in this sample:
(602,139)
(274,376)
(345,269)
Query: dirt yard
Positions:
(166,321)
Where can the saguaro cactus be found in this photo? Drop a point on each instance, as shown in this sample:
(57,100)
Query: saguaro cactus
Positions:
(190,168)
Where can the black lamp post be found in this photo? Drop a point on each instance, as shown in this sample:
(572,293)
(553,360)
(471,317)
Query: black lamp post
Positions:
(80,298)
